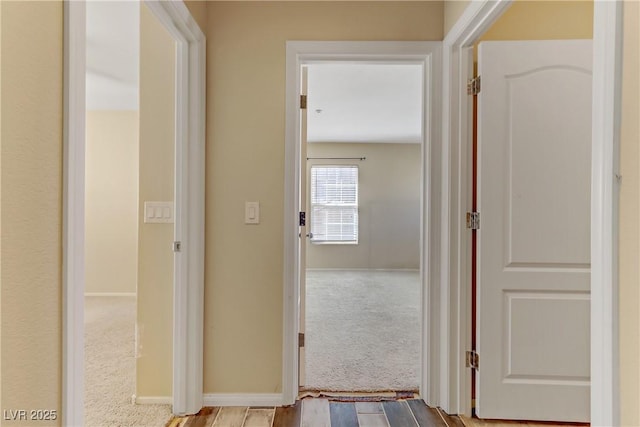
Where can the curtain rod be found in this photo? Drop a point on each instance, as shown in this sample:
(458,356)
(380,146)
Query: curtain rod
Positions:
(337,158)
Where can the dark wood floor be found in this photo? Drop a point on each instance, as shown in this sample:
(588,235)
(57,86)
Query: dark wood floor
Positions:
(320,412)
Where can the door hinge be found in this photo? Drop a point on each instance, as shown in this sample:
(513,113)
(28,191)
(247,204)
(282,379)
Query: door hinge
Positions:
(303,102)
(473,220)
(473,86)
(300,339)
(302,219)
(473,360)
(177,246)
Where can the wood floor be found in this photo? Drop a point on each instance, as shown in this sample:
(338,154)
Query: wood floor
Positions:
(319,412)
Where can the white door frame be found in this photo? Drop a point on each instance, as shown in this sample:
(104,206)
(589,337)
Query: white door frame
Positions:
(300,52)
(455,337)
(189,206)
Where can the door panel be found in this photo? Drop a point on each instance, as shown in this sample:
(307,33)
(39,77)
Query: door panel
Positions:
(534,142)
(302,256)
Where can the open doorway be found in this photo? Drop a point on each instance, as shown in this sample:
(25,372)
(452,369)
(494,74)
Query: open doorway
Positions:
(129,220)
(361,187)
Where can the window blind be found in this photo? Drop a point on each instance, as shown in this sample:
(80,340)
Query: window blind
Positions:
(334,204)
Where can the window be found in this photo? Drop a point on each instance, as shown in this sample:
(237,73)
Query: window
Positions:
(334,204)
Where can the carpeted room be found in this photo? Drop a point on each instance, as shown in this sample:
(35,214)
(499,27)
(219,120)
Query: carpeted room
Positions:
(362,310)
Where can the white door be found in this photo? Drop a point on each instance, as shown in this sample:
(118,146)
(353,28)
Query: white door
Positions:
(303,237)
(534,142)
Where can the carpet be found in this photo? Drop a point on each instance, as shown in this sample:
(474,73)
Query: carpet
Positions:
(362,330)
(110,367)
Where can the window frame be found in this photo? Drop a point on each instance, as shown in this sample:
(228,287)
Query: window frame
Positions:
(355,206)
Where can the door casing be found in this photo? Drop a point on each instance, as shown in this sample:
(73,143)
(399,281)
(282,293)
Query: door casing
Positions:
(188,310)
(298,53)
(455,331)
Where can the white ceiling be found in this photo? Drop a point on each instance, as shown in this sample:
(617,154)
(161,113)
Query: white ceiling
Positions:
(348,102)
(113,55)
(364,103)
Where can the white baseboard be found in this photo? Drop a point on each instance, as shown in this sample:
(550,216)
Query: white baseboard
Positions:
(110,294)
(152,400)
(243,399)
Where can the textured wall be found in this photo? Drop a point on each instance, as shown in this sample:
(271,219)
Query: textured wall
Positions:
(31,179)
(246,44)
(111,202)
(156,182)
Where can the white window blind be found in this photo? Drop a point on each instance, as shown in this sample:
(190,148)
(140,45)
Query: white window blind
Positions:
(334,204)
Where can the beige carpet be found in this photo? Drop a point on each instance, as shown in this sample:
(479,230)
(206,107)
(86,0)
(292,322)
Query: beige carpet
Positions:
(110,367)
(362,330)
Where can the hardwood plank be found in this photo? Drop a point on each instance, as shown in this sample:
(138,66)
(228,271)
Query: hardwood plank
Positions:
(204,418)
(369,408)
(177,421)
(315,413)
(450,420)
(343,414)
(426,417)
(288,416)
(372,420)
(398,414)
(231,416)
(259,417)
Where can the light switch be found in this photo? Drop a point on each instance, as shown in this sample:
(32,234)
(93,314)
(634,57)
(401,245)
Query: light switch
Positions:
(158,212)
(252,212)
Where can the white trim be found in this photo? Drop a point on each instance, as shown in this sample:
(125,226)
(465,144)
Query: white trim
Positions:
(110,294)
(188,296)
(455,330)
(428,54)
(243,399)
(152,400)
(455,263)
(189,263)
(73,215)
(607,80)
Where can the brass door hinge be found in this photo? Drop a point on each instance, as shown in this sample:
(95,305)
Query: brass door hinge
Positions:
(473,360)
(473,86)
(473,220)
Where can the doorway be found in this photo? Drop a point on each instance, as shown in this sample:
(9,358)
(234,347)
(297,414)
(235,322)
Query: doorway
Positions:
(129,215)
(458,69)
(186,387)
(299,54)
(361,191)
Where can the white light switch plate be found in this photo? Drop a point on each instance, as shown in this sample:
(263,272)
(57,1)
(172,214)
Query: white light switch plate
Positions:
(158,212)
(252,212)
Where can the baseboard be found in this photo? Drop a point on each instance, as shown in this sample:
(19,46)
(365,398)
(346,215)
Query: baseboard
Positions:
(243,399)
(110,294)
(152,400)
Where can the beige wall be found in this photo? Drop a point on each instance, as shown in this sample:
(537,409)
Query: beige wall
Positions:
(629,221)
(543,20)
(198,9)
(111,202)
(31,179)
(245,162)
(453,10)
(155,255)
(388,207)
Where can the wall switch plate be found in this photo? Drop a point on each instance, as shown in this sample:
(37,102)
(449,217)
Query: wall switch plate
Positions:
(252,212)
(158,212)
